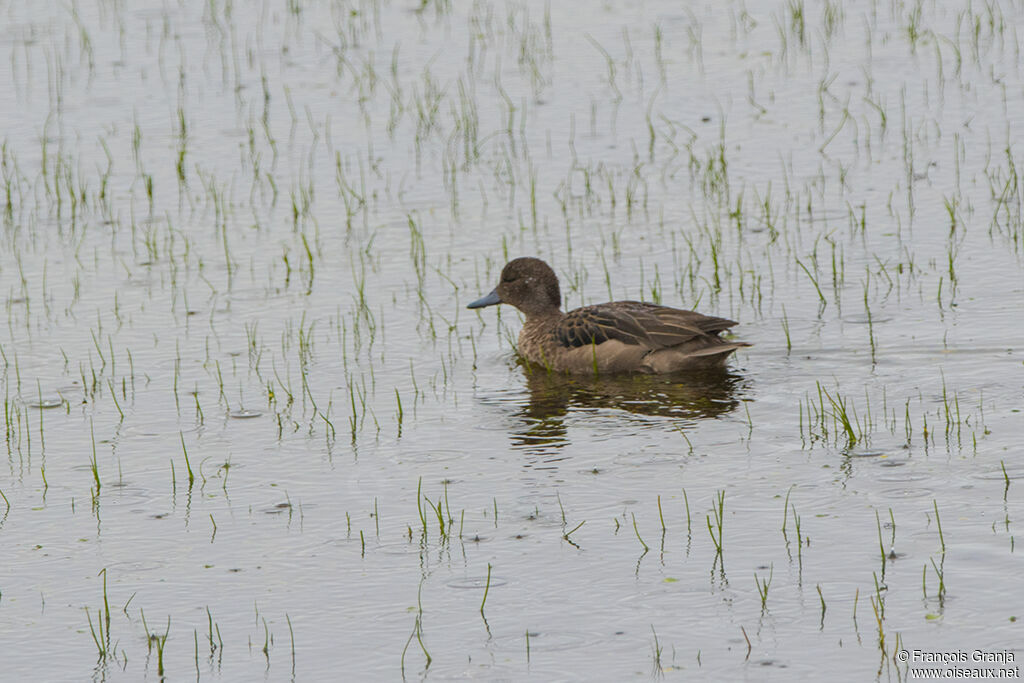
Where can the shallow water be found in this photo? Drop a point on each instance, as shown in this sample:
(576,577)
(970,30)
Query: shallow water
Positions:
(252,430)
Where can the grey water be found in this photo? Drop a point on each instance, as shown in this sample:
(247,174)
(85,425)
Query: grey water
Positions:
(251,430)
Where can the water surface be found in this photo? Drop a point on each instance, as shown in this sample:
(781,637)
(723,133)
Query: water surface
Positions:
(252,430)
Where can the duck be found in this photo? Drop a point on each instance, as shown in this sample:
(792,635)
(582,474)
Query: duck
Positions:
(617,337)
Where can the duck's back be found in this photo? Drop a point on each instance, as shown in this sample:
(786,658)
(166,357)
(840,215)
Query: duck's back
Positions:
(632,336)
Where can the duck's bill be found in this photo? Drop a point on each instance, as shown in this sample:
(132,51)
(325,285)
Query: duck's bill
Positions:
(489,300)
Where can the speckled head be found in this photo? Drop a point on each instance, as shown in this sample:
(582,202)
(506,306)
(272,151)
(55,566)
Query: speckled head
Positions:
(527,283)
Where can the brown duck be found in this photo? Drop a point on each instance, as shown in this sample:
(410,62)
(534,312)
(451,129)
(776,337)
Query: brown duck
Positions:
(614,337)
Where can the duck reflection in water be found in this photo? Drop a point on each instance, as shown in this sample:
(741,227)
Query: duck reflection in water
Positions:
(552,396)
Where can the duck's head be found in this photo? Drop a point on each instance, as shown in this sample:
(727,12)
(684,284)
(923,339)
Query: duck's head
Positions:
(527,283)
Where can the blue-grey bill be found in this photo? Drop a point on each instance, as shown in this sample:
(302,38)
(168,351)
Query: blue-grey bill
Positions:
(489,300)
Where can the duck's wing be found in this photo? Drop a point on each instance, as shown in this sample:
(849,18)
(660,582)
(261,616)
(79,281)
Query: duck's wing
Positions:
(637,323)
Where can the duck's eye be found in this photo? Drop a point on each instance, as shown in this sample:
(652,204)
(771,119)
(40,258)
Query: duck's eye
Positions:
(508,278)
